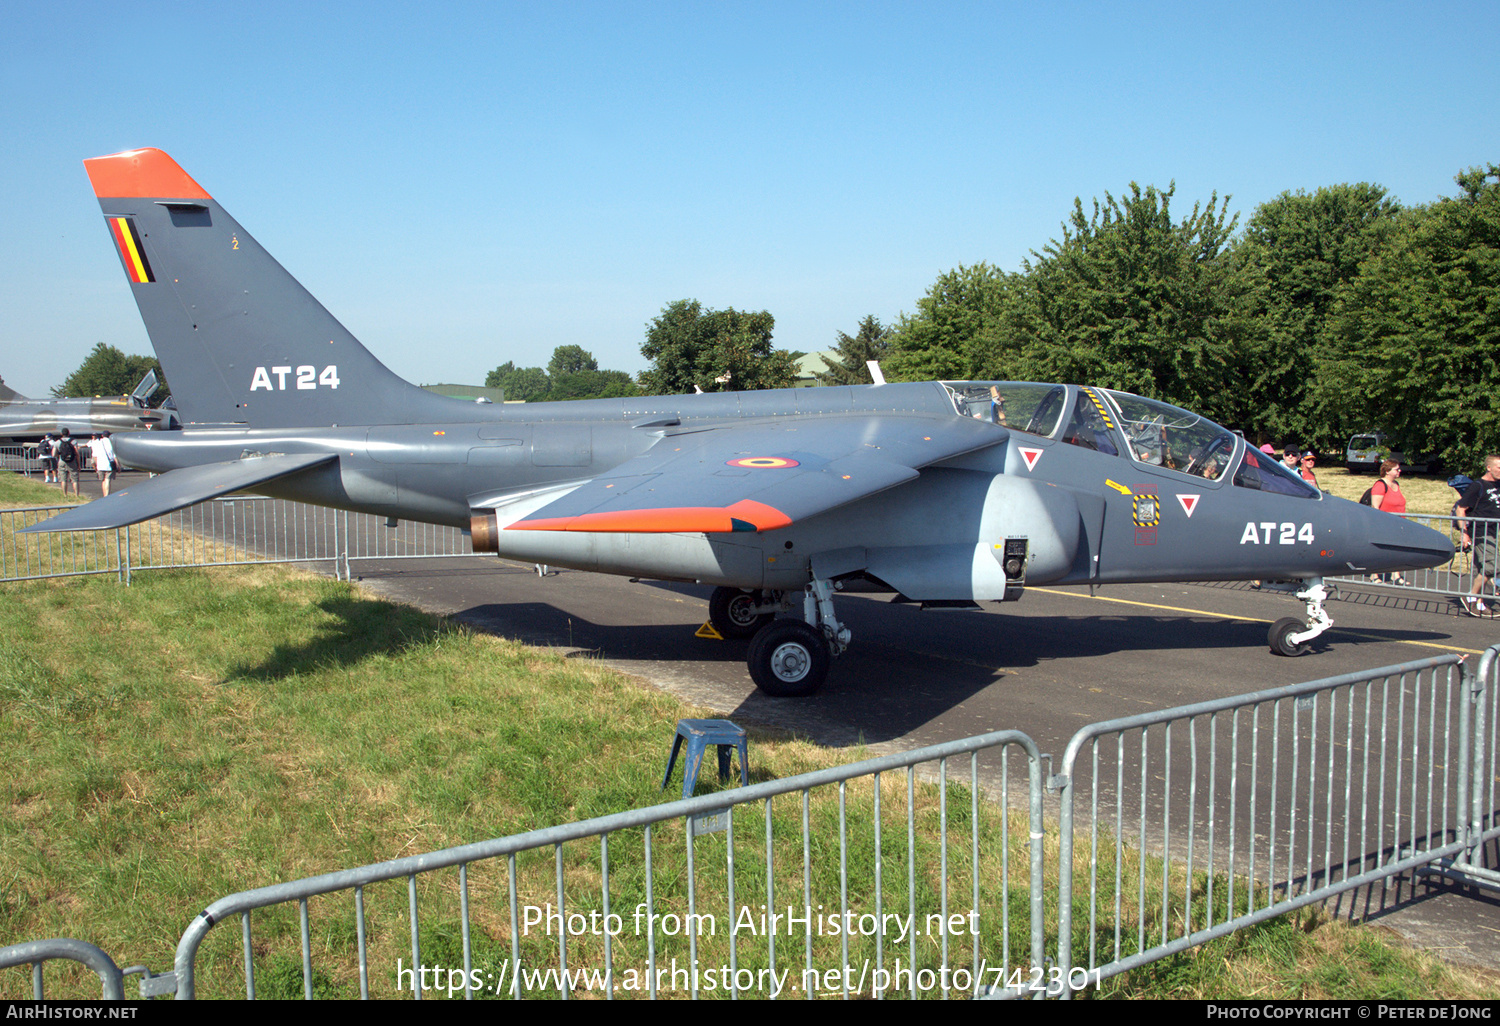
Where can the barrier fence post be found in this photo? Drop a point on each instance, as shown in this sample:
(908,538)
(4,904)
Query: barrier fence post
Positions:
(1473,768)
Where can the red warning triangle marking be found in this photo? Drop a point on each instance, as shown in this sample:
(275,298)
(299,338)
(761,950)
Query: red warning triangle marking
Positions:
(1030,456)
(1189,503)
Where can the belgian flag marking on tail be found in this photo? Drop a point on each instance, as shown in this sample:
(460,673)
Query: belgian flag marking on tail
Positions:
(132,254)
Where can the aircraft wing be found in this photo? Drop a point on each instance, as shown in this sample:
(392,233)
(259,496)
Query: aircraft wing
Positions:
(760,476)
(176,489)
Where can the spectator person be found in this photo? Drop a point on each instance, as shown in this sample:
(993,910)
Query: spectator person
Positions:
(997,406)
(1482,503)
(1386,494)
(104,460)
(46,451)
(1291,459)
(1309,458)
(68,460)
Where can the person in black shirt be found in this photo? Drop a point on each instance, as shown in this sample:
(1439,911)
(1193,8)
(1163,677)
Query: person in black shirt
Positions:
(1482,502)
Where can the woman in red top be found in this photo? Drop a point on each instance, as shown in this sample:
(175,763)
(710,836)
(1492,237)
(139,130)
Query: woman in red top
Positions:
(1386,494)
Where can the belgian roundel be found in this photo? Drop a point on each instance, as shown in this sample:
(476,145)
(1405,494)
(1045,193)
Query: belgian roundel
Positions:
(761,462)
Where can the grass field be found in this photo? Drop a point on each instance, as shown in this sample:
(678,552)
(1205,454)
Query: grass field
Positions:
(1424,493)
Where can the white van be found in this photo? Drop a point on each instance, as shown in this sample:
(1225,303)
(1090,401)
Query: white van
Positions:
(1366,452)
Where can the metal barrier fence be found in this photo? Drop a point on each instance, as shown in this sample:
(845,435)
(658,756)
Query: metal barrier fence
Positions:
(220,532)
(37,953)
(1483,824)
(1455,578)
(1268,802)
(29,557)
(20,458)
(666,894)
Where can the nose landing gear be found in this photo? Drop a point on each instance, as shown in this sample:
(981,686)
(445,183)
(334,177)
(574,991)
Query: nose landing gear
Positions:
(1291,636)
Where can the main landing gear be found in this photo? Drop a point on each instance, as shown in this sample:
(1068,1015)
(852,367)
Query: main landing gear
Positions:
(1291,636)
(787,658)
(736,613)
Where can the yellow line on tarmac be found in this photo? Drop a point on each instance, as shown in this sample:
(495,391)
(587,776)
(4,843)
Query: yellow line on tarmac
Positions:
(1150,605)
(1225,616)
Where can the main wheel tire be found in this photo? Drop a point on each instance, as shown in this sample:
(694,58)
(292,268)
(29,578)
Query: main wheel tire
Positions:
(1281,632)
(732,612)
(789,659)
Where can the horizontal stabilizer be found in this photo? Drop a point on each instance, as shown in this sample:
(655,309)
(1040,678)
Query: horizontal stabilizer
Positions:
(176,489)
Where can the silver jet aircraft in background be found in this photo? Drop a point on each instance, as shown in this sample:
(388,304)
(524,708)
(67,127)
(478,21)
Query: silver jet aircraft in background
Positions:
(942,493)
(26,420)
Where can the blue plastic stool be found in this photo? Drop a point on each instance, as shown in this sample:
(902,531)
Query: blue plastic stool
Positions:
(699,734)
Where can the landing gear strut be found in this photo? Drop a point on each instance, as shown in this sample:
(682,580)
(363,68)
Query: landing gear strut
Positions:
(791,658)
(1289,635)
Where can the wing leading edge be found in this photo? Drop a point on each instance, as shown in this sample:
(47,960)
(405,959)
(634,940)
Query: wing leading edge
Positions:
(761,476)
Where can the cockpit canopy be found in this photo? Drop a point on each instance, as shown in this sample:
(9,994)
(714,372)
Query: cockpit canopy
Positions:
(1120,424)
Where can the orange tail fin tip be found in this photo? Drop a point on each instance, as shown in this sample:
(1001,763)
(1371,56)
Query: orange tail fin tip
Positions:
(141,173)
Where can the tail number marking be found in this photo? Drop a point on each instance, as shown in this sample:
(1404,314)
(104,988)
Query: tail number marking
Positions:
(1283,534)
(307,378)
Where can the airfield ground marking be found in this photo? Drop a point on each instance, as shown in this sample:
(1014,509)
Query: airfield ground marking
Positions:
(1226,616)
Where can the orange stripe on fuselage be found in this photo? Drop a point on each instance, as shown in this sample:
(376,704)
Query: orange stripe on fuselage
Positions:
(678,519)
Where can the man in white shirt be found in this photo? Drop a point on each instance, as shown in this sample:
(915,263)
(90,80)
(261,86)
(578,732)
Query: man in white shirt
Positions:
(104,459)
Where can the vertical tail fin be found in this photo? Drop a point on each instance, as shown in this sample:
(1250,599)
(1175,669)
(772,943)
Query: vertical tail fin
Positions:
(238,337)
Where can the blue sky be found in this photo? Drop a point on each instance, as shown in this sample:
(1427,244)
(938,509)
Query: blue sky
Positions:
(467,184)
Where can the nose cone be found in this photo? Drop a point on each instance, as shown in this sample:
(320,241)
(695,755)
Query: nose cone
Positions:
(1385,542)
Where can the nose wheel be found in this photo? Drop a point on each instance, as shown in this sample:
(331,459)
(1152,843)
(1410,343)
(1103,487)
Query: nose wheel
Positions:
(1291,636)
(1281,636)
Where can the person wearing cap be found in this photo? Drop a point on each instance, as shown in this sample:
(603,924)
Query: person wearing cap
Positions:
(46,450)
(1308,459)
(1291,458)
(1268,449)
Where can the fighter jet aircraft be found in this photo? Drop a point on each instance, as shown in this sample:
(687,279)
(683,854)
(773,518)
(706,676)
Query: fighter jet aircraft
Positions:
(943,493)
(26,420)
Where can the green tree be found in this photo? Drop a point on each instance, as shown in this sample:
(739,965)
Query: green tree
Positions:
(108,372)
(848,364)
(592,384)
(960,329)
(521,384)
(1414,340)
(1130,299)
(571,360)
(1303,249)
(715,350)
(572,373)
